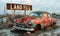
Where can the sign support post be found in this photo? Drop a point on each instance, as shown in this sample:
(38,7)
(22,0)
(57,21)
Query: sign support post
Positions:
(24,12)
(14,12)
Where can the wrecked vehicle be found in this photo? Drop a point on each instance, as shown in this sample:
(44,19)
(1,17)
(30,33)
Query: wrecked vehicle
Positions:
(35,21)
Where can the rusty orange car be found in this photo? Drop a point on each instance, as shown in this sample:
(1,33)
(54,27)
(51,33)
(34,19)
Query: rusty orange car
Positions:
(36,20)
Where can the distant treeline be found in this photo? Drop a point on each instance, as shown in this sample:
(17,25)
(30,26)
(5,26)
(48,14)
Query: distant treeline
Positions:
(56,15)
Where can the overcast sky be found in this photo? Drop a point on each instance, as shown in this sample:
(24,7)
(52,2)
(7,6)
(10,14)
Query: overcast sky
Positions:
(38,5)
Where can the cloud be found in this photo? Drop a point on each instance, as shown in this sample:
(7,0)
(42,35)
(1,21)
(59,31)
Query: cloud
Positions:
(57,5)
(28,1)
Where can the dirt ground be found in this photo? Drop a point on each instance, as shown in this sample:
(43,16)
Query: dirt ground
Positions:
(53,32)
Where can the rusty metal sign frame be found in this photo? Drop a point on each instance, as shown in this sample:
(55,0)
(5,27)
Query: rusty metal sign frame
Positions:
(11,6)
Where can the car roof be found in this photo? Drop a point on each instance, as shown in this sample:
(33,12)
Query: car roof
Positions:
(39,12)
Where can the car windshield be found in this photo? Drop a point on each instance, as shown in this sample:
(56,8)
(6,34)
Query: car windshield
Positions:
(35,14)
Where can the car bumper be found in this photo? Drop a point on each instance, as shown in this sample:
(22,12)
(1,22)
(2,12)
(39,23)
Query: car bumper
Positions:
(25,29)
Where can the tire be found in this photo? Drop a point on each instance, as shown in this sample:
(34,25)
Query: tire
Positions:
(38,27)
(53,24)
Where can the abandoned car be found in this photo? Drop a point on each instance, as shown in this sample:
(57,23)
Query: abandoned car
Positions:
(35,21)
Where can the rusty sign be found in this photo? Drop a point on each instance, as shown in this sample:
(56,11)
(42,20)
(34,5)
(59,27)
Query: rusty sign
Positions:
(11,6)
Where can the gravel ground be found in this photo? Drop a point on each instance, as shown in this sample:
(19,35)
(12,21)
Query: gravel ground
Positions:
(54,32)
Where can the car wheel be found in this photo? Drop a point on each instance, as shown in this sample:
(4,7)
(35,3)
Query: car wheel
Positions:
(38,27)
(53,24)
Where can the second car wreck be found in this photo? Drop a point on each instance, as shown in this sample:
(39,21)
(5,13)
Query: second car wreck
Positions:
(35,21)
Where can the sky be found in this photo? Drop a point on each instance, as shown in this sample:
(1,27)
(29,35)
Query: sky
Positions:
(38,5)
